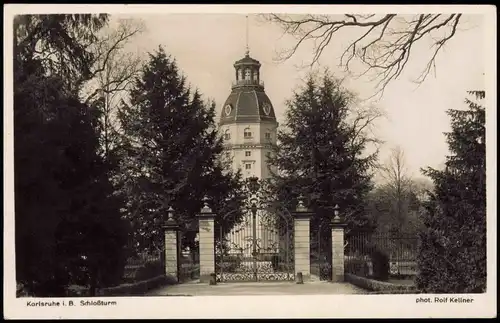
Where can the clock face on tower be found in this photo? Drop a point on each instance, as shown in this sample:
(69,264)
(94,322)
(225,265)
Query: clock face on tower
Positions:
(267,108)
(227,109)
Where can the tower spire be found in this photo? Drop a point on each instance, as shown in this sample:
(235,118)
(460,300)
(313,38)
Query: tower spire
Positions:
(247,51)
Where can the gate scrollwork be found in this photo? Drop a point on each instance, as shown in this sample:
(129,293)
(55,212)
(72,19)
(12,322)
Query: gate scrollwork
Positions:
(255,242)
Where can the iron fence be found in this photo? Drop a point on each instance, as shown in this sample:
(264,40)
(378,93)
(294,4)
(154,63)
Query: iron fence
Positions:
(145,259)
(321,250)
(189,260)
(143,266)
(189,265)
(381,255)
(150,262)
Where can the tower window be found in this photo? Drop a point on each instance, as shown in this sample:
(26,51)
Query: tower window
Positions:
(268,135)
(227,135)
(248,166)
(248,153)
(247,133)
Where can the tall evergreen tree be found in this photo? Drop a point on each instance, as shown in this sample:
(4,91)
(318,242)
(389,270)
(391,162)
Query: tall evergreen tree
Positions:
(172,153)
(68,228)
(321,153)
(452,255)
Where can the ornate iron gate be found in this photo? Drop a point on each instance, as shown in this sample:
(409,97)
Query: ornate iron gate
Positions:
(255,243)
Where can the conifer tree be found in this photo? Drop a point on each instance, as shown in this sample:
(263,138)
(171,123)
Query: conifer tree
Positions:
(68,226)
(173,148)
(452,255)
(320,154)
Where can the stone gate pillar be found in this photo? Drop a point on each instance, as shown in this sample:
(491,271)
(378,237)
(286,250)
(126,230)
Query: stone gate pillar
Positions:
(206,242)
(338,227)
(302,244)
(171,229)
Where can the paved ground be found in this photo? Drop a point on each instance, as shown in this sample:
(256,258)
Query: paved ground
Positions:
(261,288)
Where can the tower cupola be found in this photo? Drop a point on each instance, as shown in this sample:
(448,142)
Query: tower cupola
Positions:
(248,101)
(247,72)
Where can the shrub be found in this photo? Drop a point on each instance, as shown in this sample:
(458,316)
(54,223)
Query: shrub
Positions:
(380,262)
(357,266)
(380,287)
(443,271)
(149,270)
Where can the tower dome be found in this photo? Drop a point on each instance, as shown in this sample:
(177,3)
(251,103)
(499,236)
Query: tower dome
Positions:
(247,102)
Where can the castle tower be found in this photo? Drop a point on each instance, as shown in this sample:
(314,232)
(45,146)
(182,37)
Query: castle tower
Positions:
(248,124)
(247,121)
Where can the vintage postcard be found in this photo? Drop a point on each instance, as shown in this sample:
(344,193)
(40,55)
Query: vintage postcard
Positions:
(249,161)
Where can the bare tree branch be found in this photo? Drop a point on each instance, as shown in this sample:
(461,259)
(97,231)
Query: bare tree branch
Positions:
(113,71)
(113,66)
(398,185)
(384,49)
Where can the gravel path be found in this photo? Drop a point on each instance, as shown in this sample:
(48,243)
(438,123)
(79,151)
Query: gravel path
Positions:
(262,288)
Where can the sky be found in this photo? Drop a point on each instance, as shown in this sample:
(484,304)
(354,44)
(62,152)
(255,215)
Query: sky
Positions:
(206,46)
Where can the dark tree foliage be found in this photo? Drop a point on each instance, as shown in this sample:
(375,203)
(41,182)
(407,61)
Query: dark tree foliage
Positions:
(68,226)
(320,156)
(61,43)
(173,150)
(452,255)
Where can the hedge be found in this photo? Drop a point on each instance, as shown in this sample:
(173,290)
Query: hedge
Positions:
(380,286)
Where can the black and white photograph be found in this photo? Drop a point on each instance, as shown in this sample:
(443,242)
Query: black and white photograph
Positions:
(158,156)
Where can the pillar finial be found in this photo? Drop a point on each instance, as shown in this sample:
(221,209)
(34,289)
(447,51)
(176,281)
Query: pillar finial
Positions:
(300,200)
(170,213)
(170,222)
(301,206)
(206,208)
(336,216)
